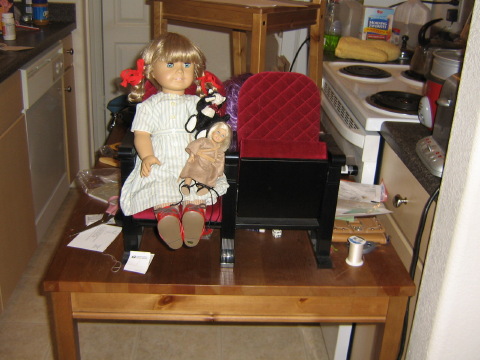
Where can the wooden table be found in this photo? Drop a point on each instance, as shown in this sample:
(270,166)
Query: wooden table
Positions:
(257,17)
(274,281)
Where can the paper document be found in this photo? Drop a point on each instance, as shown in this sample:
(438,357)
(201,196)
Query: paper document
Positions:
(358,208)
(138,261)
(97,238)
(361,192)
(355,199)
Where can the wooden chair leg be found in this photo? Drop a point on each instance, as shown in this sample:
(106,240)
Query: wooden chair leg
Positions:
(316,48)
(239,47)
(259,40)
(159,25)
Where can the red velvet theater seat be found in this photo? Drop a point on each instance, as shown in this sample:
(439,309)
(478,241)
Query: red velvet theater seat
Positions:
(286,178)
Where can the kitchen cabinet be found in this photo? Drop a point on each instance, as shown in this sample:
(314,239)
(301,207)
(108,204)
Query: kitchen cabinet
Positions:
(19,226)
(71,134)
(17,218)
(401,225)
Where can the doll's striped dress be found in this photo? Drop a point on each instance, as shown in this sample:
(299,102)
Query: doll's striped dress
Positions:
(163,116)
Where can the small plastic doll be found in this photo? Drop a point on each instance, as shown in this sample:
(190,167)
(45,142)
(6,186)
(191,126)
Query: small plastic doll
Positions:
(207,159)
(171,63)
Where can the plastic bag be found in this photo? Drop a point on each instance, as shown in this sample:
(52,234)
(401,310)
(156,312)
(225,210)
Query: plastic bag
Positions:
(100,184)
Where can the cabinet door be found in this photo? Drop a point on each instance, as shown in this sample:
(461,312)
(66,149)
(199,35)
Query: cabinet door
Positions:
(17,220)
(399,181)
(68,52)
(71,124)
(402,224)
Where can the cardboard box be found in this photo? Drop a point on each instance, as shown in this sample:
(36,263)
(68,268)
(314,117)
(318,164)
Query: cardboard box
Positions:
(377,23)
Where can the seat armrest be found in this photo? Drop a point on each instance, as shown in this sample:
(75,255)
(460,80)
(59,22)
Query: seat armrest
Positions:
(335,154)
(127,155)
(231,159)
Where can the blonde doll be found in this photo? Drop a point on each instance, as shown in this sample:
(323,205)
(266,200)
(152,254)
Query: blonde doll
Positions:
(171,63)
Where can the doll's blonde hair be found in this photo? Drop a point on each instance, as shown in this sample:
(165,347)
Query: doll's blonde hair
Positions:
(168,47)
(225,144)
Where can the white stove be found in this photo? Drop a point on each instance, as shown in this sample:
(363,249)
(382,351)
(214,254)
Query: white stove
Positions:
(353,121)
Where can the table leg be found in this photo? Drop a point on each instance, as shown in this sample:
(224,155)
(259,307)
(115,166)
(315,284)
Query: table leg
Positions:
(393,326)
(259,41)
(65,327)
(239,45)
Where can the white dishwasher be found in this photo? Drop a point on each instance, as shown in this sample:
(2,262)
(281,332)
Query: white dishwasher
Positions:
(42,87)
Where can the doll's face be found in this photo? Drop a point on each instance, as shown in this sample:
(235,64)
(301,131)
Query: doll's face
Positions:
(174,78)
(219,135)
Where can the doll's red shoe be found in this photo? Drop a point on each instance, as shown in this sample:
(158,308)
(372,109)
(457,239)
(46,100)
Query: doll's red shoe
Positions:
(193,221)
(207,233)
(169,226)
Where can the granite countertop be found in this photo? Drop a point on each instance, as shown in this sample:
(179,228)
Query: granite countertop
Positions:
(62,23)
(403,138)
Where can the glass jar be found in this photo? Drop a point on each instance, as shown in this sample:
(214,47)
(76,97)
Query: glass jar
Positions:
(40,12)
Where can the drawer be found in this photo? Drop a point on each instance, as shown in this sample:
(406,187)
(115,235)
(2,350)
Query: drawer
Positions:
(11,101)
(399,181)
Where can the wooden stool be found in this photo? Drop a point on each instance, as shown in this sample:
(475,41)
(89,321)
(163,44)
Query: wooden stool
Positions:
(255,16)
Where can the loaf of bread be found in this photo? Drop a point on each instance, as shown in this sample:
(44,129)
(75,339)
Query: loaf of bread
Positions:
(393,51)
(366,50)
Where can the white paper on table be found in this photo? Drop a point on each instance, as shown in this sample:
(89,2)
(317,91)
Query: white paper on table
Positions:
(359,208)
(97,238)
(91,218)
(361,192)
(138,261)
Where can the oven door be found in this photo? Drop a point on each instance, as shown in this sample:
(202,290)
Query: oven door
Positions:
(359,146)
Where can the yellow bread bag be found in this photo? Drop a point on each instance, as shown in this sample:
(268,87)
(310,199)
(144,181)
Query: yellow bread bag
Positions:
(393,51)
(366,50)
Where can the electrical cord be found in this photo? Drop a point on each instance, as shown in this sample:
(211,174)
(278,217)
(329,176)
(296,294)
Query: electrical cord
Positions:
(413,264)
(298,51)
(450,2)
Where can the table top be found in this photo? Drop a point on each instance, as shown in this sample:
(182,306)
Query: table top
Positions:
(255,3)
(264,265)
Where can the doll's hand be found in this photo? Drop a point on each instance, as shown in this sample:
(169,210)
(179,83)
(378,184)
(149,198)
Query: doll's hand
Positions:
(147,164)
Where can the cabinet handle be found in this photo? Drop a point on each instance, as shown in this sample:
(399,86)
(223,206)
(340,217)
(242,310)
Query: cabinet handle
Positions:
(68,88)
(69,51)
(398,200)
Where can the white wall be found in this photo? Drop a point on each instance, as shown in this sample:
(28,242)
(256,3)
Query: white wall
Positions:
(447,315)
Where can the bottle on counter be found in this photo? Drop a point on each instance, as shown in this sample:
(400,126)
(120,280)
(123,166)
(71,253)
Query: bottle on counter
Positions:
(8,26)
(351,17)
(409,17)
(40,12)
(28,15)
(333,26)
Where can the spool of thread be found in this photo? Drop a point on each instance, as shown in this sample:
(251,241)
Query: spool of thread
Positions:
(355,252)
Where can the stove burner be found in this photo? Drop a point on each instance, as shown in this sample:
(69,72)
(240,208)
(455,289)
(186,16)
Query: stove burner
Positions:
(365,72)
(409,74)
(396,101)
